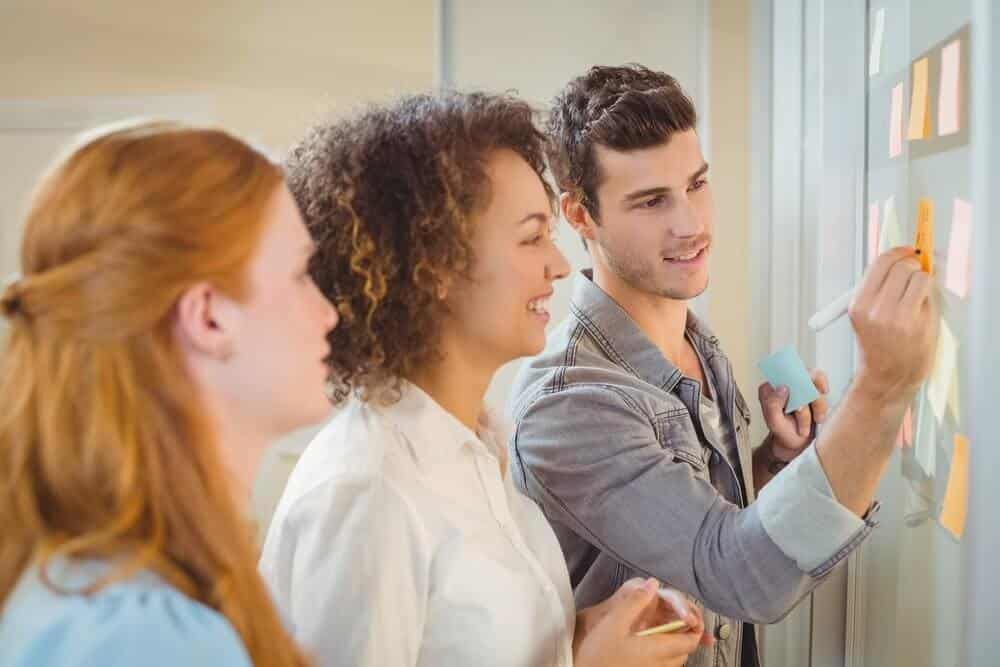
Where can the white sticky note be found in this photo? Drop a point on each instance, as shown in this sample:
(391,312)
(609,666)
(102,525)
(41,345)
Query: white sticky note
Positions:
(878,32)
(891,236)
(873,232)
(954,403)
(939,385)
(949,102)
(957,276)
(896,121)
(925,437)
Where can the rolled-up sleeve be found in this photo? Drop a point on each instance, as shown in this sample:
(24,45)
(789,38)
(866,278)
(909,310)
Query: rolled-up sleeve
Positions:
(802,516)
(590,456)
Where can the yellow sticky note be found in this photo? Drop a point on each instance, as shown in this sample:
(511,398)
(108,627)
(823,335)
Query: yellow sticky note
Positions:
(939,385)
(920,118)
(896,121)
(925,234)
(949,94)
(956,497)
(954,407)
(890,236)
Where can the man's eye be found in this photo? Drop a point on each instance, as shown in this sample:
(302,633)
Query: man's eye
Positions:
(699,184)
(653,203)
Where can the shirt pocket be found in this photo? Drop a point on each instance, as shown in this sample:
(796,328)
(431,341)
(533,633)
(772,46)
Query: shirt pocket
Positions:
(676,434)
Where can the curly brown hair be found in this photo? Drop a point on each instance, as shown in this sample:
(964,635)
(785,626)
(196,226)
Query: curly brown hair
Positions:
(387,195)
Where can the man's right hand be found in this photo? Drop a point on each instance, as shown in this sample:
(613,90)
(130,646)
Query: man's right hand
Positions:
(895,316)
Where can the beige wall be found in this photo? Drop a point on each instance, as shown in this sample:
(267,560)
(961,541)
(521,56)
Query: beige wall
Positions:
(268,68)
(729,103)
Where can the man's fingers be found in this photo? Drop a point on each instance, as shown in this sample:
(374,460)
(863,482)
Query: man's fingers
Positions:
(803,421)
(821,381)
(772,400)
(871,285)
(918,292)
(895,285)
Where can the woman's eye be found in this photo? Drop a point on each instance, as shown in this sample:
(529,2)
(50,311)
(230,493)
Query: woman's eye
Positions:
(652,203)
(699,184)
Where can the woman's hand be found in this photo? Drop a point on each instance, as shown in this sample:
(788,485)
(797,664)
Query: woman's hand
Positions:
(606,633)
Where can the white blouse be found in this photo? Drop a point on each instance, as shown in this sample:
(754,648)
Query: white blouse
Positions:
(400,540)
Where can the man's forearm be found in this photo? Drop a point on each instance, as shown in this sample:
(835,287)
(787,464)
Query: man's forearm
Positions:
(857,443)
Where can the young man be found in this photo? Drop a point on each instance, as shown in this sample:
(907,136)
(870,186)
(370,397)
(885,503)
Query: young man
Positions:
(630,431)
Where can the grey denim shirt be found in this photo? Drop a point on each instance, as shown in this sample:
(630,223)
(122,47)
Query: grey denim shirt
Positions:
(608,442)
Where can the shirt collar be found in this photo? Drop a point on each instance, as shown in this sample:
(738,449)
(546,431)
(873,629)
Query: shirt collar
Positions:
(437,436)
(622,339)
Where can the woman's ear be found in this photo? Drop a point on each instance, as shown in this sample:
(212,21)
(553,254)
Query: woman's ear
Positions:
(206,322)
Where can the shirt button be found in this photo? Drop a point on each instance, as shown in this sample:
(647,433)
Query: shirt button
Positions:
(723,632)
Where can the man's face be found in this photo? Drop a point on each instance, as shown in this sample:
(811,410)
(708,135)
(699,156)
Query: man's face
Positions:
(655,218)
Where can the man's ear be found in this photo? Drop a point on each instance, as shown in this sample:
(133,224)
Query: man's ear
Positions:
(205,322)
(577,215)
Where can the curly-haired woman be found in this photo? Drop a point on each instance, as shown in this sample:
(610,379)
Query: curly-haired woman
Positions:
(400,539)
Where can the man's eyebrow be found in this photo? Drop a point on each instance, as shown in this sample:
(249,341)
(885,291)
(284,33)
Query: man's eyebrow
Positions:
(698,174)
(646,192)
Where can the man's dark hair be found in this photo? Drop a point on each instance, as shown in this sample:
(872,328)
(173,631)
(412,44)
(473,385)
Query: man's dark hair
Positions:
(387,195)
(623,108)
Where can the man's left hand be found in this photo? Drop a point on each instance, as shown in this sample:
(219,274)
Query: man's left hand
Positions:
(791,433)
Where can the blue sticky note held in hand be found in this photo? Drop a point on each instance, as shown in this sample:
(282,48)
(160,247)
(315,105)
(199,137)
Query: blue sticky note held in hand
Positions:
(785,367)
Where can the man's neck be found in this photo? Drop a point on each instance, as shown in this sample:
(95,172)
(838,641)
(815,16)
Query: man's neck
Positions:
(663,320)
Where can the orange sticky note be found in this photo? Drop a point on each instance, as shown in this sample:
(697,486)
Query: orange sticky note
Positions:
(949,95)
(957,277)
(920,118)
(896,122)
(873,232)
(956,497)
(925,234)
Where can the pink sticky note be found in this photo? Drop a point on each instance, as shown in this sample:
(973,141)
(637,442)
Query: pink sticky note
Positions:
(908,426)
(873,230)
(957,278)
(905,438)
(948,95)
(896,121)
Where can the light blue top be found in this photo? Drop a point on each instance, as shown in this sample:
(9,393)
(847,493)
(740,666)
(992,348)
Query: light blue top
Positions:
(139,621)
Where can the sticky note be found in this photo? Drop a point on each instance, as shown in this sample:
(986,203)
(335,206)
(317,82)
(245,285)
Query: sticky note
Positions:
(957,271)
(939,384)
(878,32)
(949,93)
(956,496)
(954,406)
(920,118)
(873,235)
(925,439)
(890,236)
(905,438)
(896,122)
(925,234)
(785,367)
